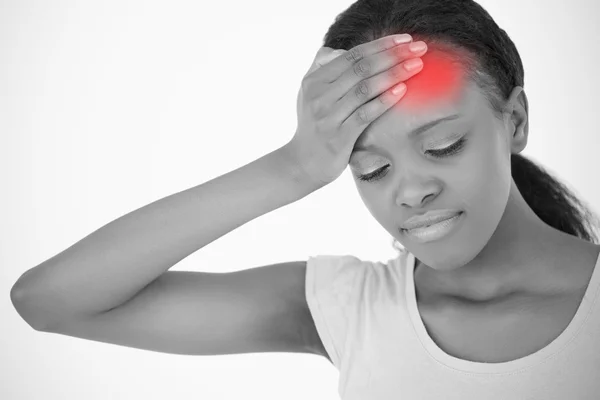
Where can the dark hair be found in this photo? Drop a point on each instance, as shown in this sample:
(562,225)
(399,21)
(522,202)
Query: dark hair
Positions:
(490,60)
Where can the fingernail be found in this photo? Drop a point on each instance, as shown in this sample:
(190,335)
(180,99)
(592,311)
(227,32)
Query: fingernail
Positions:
(399,88)
(404,38)
(413,64)
(417,46)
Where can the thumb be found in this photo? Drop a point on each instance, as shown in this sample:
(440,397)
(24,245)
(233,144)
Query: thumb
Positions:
(324,56)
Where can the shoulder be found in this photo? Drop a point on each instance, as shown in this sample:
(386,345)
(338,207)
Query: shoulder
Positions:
(342,274)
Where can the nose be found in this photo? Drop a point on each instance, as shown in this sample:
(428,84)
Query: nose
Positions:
(416,196)
(414,186)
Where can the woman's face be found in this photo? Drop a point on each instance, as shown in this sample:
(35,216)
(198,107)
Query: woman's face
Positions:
(474,177)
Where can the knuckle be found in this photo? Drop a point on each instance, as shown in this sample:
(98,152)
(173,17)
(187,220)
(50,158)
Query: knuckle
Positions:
(362,68)
(362,115)
(362,90)
(320,106)
(316,106)
(354,54)
(385,98)
(397,72)
(399,52)
(306,84)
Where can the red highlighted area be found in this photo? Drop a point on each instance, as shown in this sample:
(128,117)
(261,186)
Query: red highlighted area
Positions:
(441,79)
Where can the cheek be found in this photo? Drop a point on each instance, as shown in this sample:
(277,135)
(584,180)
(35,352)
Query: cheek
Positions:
(486,185)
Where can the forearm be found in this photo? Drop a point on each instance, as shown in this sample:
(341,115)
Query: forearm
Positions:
(112,264)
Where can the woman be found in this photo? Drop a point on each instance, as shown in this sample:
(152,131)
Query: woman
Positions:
(495,301)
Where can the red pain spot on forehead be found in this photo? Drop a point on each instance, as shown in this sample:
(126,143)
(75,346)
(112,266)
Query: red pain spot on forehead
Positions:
(441,79)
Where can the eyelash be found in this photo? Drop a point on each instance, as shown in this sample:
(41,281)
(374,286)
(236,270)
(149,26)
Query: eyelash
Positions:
(446,152)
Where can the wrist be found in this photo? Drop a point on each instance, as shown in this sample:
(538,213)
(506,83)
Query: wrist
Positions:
(291,165)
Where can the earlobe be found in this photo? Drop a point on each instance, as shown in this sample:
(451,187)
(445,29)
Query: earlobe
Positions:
(519,130)
(518,122)
(519,139)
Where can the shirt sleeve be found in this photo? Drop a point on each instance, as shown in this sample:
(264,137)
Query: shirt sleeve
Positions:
(332,287)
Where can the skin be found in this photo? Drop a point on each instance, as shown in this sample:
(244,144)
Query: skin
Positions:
(501,247)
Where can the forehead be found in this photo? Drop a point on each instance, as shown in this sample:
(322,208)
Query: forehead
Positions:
(438,90)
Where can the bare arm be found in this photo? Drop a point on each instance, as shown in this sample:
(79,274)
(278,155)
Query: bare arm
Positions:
(111,265)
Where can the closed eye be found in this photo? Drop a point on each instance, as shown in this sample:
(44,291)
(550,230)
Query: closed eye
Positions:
(445,152)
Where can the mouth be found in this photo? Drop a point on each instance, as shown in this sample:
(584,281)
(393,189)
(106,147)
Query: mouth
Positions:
(435,231)
(433,223)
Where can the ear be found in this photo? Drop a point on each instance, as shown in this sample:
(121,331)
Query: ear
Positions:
(516,116)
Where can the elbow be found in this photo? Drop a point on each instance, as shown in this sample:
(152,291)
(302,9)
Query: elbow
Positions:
(27,308)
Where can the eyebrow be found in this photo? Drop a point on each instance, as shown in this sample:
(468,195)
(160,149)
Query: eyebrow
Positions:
(417,131)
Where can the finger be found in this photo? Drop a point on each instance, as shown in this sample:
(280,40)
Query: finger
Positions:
(370,111)
(379,72)
(330,72)
(379,86)
(324,56)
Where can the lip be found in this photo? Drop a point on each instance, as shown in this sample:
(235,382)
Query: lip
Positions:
(436,231)
(429,218)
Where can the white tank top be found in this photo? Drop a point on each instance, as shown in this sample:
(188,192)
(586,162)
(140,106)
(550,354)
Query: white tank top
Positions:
(367,318)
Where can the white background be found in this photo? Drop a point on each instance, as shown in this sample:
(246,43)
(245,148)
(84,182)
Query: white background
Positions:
(107,106)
